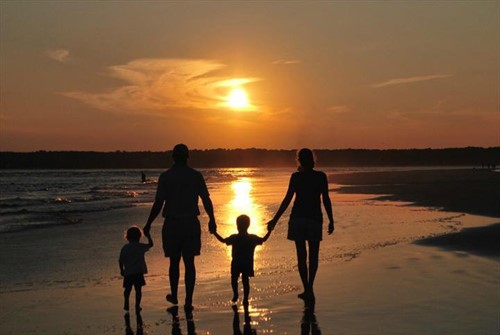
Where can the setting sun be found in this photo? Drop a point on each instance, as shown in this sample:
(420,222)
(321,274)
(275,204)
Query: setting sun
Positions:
(237,99)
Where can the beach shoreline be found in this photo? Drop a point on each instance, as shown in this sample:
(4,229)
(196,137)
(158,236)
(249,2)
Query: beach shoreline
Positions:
(410,285)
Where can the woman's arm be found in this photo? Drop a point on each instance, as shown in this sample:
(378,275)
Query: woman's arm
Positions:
(150,239)
(284,205)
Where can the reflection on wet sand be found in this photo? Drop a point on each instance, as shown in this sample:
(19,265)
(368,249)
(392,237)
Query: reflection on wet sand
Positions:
(247,325)
(176,324)
(309,324)
(128,328)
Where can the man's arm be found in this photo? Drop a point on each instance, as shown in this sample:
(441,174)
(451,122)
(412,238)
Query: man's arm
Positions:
(156,209)
(327,203)
(207,204)
(120,263)
(209,208)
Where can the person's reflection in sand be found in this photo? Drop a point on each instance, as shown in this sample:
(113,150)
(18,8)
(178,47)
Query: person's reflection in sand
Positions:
(176,324)
(247,327)
(309,324)
(128,328)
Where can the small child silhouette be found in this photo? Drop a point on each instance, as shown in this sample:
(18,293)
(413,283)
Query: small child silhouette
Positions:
(133,265)
(243,247)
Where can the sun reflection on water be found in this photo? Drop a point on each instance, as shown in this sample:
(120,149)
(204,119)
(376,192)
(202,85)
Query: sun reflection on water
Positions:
(243,202)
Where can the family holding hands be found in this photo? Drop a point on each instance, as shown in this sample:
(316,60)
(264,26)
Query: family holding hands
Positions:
(179,189)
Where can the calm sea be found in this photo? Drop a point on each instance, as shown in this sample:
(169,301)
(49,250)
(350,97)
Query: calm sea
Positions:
(31,199)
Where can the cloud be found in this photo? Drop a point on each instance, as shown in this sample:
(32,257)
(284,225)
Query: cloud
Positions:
(153,85)
(286,62)
(341,109)
(399,81)
(59,55)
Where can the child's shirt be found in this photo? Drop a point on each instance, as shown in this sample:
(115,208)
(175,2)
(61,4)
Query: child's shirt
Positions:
(243,246)
(132,258)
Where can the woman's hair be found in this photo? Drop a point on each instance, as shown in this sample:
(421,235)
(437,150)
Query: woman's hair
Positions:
(133,234)
(306,159)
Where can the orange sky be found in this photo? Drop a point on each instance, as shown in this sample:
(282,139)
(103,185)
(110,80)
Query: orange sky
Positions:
(111,76)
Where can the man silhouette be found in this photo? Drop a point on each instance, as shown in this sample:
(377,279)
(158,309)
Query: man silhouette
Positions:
(178,191)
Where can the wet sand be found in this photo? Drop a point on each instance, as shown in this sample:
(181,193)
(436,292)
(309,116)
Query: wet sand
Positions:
(471,191)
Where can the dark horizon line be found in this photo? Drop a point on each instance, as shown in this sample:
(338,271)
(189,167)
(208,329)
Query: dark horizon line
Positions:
(250,148)
(471,156)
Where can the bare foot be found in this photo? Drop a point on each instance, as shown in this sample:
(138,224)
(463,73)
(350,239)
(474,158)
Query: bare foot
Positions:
(170,298)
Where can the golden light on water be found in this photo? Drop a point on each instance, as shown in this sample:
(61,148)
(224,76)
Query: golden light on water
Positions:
(243,202)
(242,198)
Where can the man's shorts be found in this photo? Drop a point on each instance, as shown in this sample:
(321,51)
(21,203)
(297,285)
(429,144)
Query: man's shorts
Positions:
(304,229)
(136,280)
(181,237)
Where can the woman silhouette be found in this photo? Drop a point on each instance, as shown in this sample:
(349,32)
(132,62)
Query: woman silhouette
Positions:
(306,220)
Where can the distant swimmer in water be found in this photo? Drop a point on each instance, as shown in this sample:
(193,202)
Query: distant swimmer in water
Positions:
(143,176)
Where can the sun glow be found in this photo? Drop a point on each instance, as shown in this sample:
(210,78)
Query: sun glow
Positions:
(238,99)
(243,202)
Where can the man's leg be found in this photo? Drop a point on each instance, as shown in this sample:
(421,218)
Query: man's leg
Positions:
(189,279)
(173,274)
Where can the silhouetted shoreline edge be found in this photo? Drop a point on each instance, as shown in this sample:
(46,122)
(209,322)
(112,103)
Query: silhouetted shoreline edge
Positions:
(470,191)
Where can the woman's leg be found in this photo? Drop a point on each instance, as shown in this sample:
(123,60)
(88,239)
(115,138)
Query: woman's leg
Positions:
(313,263)
(173,275)
(302,262)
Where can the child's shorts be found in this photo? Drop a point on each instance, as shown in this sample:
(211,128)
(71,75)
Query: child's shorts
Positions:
(243,269)
(136,280)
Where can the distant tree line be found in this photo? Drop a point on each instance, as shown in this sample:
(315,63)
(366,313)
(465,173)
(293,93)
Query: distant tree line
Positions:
(470,156)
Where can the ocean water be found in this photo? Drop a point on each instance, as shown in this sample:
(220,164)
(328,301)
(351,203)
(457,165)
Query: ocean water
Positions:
(31,199)
(42,198)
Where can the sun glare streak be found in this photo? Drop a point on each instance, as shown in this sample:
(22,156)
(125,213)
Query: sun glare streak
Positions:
(243,202)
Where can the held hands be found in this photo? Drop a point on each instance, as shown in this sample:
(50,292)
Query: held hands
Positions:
(331,228)
(147,229)
(212,226)
(271,224)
